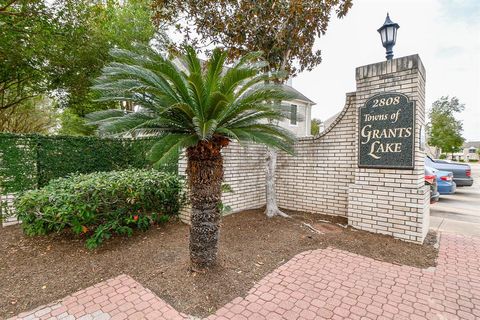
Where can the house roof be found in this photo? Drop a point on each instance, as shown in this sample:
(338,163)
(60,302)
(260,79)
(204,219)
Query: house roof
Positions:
(300,96)
(469,144)
(330,120)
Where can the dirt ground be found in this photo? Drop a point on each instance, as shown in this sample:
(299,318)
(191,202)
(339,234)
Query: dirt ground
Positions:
(39,270)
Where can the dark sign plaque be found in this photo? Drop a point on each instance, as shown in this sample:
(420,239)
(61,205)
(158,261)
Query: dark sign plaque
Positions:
(386,136)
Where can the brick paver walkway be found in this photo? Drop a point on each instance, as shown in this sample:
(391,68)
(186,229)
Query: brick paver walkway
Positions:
(319,284)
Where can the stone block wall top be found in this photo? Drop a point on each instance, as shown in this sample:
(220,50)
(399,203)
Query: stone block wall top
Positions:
(389,67)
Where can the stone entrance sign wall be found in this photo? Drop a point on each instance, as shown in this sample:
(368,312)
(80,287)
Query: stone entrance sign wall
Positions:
(386,137)
(393,201)
(328,175)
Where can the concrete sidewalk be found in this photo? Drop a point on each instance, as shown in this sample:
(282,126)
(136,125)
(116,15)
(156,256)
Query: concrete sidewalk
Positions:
(319,284)
(459,213)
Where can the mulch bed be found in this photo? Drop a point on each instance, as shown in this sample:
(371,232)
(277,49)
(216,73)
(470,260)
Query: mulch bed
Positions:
(39,270)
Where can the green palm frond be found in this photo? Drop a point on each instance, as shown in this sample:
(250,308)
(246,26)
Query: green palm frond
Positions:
(121,125)
(275,137)
(167,148)
(254,117)
(215,67)
(190,101)
(104,114)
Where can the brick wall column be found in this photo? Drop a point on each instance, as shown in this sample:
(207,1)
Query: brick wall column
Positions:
(392,201)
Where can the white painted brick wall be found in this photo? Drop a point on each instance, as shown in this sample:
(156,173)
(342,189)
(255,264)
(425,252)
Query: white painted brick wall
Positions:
(323,177)
(317,177)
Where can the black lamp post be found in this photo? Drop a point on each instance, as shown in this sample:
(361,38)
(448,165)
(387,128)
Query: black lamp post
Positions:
(388,33)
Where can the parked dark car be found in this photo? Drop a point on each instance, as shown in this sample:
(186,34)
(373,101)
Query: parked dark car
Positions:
(431,180)
(462,173)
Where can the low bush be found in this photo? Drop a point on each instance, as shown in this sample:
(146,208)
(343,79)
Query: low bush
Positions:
(443,156)
(472,160)
(101,204)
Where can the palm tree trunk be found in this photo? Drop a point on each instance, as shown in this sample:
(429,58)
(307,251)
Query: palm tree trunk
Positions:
(205,176)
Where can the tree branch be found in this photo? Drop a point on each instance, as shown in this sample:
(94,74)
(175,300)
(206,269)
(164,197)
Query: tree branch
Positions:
(6,6)
(14,103)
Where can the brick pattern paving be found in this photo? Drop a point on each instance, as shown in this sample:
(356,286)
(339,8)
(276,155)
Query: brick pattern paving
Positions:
(334,284)
(115,299)
(319,284)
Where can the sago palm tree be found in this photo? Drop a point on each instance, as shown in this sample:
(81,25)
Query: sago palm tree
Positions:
(199,107)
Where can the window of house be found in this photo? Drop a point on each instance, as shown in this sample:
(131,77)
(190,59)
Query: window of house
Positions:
(472,150)
(293,114)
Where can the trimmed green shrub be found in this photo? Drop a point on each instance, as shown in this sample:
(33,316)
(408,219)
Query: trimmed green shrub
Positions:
(101,204)
(443,156)
(30,161)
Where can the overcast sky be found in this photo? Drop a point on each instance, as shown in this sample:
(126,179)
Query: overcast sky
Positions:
(445,33)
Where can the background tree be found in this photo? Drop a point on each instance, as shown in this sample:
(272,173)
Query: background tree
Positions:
(56,49)
(74,125)
(445,132)
(201,110)
(26,33)
(285,31)
(91,29)
(36,115)
(315,126)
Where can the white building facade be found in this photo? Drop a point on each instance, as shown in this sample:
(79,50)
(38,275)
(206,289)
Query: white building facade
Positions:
(299,112)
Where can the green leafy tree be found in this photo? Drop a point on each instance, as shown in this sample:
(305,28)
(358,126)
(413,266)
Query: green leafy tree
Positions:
(36,115)
(201,108)
(74,125)
(445,132)
(56,49)
(315,126)
(26,34)
(285,31)
(90,30)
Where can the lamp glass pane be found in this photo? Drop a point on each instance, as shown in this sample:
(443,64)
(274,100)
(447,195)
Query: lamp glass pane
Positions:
(390,31)
(383,35)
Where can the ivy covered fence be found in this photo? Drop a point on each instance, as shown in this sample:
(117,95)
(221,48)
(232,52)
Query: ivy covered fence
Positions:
(30,161)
